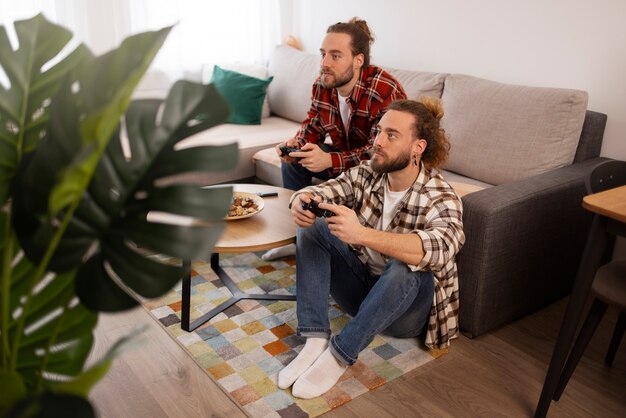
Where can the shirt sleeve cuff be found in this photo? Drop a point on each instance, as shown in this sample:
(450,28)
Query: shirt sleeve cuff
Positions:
(337,167)
(425,263)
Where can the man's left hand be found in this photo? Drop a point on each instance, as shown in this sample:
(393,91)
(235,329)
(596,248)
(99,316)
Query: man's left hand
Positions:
(313,158)
(345,224)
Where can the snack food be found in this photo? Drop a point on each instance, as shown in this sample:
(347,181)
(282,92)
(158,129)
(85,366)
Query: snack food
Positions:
(244,205)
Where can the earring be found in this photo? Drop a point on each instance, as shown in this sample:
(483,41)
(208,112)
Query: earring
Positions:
(415,160)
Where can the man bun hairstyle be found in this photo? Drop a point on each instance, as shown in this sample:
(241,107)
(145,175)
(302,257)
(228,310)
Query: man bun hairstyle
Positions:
(360,34)
(427,112)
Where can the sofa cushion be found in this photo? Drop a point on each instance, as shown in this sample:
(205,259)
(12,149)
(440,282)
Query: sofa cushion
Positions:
(252,70)
(501,132)
(419,83)
(250,138)
(268,171)
(244,95)
(294,73)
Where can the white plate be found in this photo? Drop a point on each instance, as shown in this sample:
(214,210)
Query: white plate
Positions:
(258,200)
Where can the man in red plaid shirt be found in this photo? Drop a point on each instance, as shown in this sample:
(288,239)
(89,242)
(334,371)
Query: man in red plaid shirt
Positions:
(349,98)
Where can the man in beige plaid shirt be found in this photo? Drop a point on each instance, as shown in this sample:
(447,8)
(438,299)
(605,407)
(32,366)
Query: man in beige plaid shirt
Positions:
(386,253)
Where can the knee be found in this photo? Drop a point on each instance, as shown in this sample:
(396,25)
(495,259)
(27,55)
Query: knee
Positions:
(313,232)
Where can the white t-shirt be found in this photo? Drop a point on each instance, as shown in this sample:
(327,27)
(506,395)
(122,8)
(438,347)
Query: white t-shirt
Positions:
(390,207)
(344,110)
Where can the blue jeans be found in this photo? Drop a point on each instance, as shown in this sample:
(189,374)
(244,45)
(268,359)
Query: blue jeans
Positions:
(396,303)
(295,177)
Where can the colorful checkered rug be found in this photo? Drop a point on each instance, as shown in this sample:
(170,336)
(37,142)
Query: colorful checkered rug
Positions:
(244,347)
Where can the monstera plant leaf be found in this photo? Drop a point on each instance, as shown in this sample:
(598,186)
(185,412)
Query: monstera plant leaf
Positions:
(80,165)
(24,104)
(110,236)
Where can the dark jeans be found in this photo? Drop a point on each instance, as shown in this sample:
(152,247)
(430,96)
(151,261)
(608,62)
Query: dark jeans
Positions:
(295,177)
(396,303)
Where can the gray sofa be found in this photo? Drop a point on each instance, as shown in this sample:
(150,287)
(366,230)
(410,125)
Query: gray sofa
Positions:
(519,158)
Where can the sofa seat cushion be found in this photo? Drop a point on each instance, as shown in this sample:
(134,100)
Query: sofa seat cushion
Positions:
(501,132)
(464,185)
(267,165)
(271,131)
(251,138)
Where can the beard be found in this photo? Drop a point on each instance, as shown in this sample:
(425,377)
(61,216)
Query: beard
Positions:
(397,164)
(338,80)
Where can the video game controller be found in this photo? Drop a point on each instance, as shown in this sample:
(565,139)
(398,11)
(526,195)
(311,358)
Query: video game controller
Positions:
(313,206)
(285,150)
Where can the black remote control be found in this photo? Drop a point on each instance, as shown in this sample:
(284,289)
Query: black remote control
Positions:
(313,206)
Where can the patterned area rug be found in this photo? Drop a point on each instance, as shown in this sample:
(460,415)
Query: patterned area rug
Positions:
(244,347)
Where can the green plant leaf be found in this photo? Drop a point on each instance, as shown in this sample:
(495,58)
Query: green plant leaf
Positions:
(110,229)
(126,189)
(24,105)
(82,384)
(54,310)
(12,388)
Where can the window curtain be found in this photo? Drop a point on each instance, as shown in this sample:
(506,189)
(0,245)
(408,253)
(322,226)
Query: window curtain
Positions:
(204,32)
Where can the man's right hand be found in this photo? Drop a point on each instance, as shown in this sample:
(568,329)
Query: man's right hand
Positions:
(301,217)
(291,143)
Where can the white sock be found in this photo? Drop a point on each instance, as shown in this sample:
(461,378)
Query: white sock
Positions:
(311,351)
(284,251)
(320,377)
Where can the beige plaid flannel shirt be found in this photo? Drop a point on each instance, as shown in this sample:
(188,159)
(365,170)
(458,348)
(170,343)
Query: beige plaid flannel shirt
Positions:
(432,210)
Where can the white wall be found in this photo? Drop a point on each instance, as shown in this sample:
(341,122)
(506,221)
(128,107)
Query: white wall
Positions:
(555,43)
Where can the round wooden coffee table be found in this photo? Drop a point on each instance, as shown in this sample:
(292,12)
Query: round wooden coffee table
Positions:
(270,228)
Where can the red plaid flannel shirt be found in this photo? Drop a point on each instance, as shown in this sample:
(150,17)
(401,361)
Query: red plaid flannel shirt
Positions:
(371,94)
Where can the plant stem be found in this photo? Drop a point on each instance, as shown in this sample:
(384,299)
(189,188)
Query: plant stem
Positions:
(39,274)
(51,341)
(6,288)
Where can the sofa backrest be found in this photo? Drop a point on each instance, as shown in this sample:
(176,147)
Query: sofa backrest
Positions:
(591,136)
(419,83)
(503,132)
(295,71)
(498,132)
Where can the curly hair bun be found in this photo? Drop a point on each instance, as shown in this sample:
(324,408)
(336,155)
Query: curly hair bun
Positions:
(433,105)
(362,24)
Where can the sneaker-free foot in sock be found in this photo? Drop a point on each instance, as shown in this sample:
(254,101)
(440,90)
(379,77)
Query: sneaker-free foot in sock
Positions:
(320,377)
(311,351)
(280,252)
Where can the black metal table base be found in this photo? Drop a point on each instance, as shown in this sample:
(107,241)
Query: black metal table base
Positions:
(601,229)
(187,324)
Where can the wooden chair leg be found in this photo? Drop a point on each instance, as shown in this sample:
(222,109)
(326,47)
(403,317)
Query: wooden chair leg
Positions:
(586,332)
(620,327)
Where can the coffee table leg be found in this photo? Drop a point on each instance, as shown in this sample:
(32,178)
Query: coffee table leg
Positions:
(186,296)
(238,295)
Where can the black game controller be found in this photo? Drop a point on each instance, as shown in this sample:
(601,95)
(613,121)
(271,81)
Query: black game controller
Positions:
(313,206)
(285,150)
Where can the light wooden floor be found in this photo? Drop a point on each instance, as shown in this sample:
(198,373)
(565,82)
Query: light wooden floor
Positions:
(498,374)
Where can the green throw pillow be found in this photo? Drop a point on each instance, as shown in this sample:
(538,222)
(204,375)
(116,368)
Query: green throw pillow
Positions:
(244,95)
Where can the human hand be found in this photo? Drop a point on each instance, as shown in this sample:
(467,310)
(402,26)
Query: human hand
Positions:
(301,216)
(313,158)
(345,224)
(290,143)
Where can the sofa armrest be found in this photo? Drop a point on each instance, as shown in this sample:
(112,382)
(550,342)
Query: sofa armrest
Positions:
(523,244)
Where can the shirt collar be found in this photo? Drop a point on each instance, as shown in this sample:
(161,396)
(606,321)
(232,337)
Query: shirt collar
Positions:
(423,177)
(359,87)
